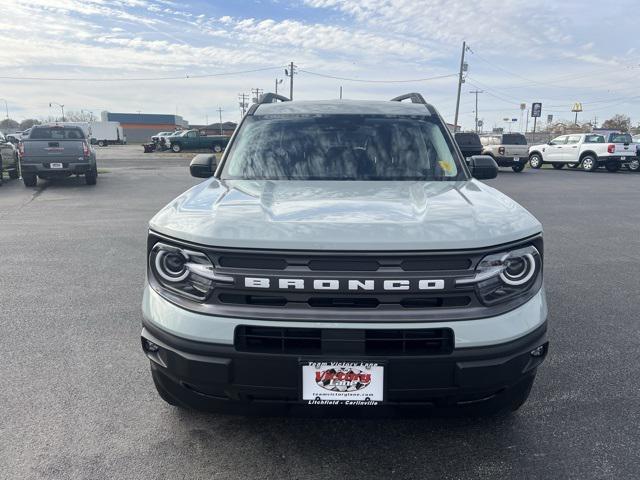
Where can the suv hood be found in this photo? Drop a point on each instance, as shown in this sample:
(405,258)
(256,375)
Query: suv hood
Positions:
(345,215)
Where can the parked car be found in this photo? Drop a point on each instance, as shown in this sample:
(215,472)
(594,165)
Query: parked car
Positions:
(469,143)
(163,142)
(156,138)
(54,150)
(8,158)
(194,140)
(346,246)
(507,149)
(589,150)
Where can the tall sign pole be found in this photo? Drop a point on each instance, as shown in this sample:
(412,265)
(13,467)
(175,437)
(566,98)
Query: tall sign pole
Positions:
(536,111)
(460,81)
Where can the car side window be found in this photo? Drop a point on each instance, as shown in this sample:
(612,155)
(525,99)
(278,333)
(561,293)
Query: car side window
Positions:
(573,139)
(559,140)
(192,134)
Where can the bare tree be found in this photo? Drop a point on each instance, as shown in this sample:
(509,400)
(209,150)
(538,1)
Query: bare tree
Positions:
(9,125)
(618,122)
(28,123)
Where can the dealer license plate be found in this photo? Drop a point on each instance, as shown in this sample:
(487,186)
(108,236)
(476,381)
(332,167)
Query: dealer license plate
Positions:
(55,165)
(342,383)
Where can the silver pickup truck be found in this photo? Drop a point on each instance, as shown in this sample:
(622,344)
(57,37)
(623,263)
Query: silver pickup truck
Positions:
(54,151)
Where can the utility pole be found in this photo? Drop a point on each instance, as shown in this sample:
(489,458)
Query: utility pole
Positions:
(527,124)
(6,106)
(340,92)
(243,102)
(460,82)
(220,112)
(476,92)
(290,73)
(256,92)
(59,105)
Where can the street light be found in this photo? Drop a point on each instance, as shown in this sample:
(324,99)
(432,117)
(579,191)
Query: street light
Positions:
(89,112)
(51,104)
(6,106)
(278,82)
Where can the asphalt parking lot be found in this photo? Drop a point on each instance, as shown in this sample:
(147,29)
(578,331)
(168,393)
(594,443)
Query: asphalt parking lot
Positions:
(77,400)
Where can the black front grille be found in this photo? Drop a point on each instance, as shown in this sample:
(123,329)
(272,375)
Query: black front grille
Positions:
(260,287)
(315,341)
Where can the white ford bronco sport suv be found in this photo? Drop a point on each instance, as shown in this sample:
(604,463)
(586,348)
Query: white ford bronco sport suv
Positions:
(343,254)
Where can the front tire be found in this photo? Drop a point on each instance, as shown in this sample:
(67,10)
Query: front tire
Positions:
(520,393)
(518,167)
(558,166)
(589,163)
(216,147)
(30,180)
(164,395)
(91,177)
(101,143)
(535,161)
(176,148)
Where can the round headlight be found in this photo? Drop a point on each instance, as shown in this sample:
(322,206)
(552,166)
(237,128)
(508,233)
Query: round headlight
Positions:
(518,270)
(172,266)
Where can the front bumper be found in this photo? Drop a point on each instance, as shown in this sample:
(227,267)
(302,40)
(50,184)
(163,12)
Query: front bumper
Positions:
(68,168)
(199,365)
(218,377)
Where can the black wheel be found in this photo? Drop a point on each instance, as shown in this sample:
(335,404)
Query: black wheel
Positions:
(216,147)
(30,180)
(573,165)
(91,177)
(161,390)
(518,167)
(634,165)
(589,163)
(520,393)
(1,174)
(558,166)
(176,147)
(535,161)
(13,174)
(101,143)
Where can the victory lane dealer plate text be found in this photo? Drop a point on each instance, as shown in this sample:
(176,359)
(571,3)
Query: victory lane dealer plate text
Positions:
(342,383)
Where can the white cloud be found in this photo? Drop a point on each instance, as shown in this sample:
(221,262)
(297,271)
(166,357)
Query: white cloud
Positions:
(547,53)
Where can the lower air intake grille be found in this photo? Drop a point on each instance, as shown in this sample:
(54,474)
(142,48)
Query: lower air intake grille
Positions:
(315,341)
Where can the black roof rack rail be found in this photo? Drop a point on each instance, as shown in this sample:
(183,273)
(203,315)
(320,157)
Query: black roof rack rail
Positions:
(415,98)
(271,98)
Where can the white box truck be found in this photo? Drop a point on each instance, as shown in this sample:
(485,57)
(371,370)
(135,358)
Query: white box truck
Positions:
(107,133)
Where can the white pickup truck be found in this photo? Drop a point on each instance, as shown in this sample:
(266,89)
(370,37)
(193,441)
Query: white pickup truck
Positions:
(589,150)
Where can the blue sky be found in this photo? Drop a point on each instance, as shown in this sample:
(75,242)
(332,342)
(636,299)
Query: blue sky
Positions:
(521,51)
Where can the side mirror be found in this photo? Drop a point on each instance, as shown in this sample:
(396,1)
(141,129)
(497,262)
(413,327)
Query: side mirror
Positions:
(203,165)
(483,167)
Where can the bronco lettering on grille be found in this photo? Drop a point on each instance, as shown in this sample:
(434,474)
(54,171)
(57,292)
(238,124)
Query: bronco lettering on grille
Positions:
(334,284)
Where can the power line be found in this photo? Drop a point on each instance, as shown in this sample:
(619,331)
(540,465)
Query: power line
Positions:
(414,80)
(137,79)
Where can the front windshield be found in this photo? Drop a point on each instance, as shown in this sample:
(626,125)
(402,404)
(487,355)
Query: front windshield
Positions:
(342,147)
